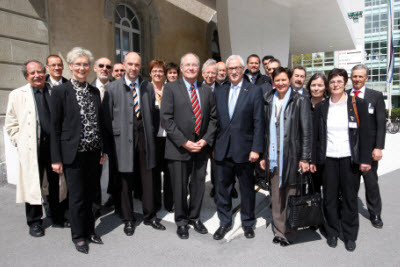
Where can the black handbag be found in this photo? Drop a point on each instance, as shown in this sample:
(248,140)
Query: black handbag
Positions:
(304,210)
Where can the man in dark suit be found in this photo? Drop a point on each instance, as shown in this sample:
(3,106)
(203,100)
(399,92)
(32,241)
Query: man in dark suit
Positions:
(129,105)
(221,73)
(54,67)
(377,119)
(188,115)
(240,140)
(298,79)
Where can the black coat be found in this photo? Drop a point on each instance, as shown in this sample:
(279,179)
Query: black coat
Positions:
(263,81)
(359,137)
(297,136)
(66,123)
(119,112)
(177,118)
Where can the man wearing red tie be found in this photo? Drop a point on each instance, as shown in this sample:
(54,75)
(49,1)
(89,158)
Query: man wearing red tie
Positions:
(188,115)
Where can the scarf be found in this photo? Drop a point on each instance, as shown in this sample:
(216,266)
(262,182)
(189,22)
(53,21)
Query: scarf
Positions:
(158,96)
(273,152)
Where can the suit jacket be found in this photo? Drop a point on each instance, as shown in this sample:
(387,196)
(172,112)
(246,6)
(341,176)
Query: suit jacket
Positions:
(359,138)
(178,120)
(245,131)
(376,117)
(66,123)
(119,112)
(51,85)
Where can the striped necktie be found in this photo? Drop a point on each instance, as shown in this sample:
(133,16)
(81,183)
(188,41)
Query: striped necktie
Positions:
(135,99)
(196,109)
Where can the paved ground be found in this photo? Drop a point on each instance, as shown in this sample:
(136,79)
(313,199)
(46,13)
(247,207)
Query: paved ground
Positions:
(147,246)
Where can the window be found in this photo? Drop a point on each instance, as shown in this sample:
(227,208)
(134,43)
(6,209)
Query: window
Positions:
(127,32)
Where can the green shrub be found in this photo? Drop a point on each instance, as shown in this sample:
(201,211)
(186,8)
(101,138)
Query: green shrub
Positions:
(395,113)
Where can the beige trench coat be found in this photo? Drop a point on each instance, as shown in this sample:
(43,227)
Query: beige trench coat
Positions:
(21,125)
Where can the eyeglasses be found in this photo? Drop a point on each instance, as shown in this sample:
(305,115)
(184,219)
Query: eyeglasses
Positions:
(210,73)
(78,65)
(231,69)
(157,71)
(53,66)
(107,66)
(336,82)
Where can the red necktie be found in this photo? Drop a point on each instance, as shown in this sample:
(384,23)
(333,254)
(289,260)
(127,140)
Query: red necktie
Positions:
(356,92)
(196,109)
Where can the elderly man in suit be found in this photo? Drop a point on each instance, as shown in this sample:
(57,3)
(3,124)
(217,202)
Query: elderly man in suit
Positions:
(129,106)
(28,125)
(377,119)
(188,115)
(240,139)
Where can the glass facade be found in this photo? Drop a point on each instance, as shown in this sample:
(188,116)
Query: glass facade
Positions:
(374,51)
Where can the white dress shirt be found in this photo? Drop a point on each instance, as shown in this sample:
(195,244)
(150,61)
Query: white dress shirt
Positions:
(102,87)
(235,87)
(361,94)
(338,143)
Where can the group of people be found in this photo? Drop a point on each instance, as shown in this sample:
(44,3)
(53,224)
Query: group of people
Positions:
(158,136)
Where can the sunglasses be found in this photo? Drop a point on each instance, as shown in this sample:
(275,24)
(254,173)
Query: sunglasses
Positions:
(107,66)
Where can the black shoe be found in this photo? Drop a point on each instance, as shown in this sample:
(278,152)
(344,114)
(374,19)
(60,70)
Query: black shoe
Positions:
(199,227)
(183,232)
(36,230)
(234,193)
(350,245)
(262,184)
(277,240)
(212,192)
(155,224)
(221,232)
(84,248)
(97,214)
(248,232)
(95,239)
(332,241)
(64,224)
(376,221)
(285,242)
(129,228)
(109,203)
(170,210)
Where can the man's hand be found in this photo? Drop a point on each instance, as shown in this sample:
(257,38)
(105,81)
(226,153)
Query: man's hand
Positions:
(253,157)
(377,154)
(191,146)
(313,168)
(103,159)
(57,167)
(365,167)
(201,143)
(305,166)
(262,164)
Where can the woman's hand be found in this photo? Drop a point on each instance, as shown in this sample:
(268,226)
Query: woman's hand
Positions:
(57,167)
(313,168)
(262,164)
(305,166)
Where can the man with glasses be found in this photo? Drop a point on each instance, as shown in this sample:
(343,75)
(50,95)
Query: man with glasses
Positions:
(188,115)
(54,67)
(118,71)
(239,142)
(102,67)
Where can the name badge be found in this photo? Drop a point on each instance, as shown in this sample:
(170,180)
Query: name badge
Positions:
(353,125)
(371,110)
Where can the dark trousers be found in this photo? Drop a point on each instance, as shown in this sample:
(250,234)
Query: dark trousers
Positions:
(317,178)
(81,181)
(372,194)
(181,171)
(226,172)
(114,183)
(145,175)
(34,213)
(341,175)
(162,166)
(97,189)
(213,169)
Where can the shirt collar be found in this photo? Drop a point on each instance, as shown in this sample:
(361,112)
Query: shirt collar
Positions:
(188,84)
(239,85)
(362,90)
(99,83)
(128,82)
(54,82)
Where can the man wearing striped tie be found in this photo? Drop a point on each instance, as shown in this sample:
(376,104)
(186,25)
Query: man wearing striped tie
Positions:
(129,106)
(188,115)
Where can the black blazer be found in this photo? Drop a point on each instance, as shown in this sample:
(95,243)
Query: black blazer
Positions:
(66,123)
(376,117)
(360,145)
(177,118)
(245,131)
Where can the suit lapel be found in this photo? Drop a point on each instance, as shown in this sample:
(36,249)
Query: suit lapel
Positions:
(182,88)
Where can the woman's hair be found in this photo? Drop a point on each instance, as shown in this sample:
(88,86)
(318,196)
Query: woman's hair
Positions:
(338,72)
(79,52)
(280,70)
(157,63)
(315,77)
(172,66)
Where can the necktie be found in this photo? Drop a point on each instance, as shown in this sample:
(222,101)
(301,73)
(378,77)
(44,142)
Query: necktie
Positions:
(196,109)
(232,101)
(356,92)
(44,112)
(103,89)
(135,99)
(253,79)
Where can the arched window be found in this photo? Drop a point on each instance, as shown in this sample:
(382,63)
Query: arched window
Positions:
(127,32)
